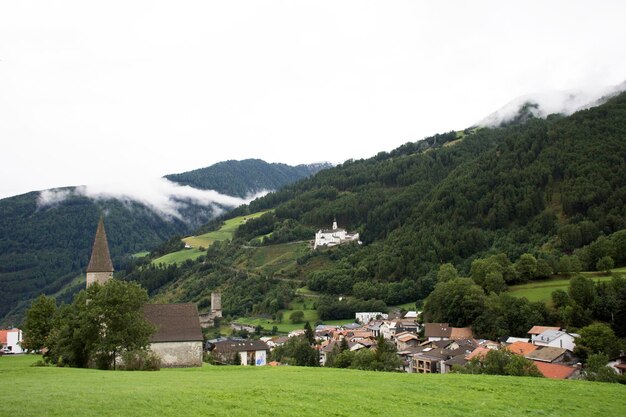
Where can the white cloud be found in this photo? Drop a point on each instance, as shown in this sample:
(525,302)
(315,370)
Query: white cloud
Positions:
(52,197)
(182,85)
(164,197)
(561,102)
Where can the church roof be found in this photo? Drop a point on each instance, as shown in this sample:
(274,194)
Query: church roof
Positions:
(100,257)
(174,322)
(328,231)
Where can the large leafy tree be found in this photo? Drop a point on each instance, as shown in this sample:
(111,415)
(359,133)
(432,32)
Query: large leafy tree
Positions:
(501,362)
(458,302)
(103,322)
(297,351)
(38,323)
(597,338)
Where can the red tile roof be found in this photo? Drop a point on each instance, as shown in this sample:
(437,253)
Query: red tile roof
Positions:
(437,330)
(521,348)
(3,337)
(555,371)
(479,351)
(461,333)
(541,329)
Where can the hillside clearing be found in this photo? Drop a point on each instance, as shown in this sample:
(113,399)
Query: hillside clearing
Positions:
(178,257)
(289,391)
(542,290)
(224,233)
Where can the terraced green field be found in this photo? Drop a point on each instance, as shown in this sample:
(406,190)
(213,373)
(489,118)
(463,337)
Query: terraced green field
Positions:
(224,233)
(275,258)
(179,257)
(292,391)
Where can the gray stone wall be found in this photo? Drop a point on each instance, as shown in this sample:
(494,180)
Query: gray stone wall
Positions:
(99,277)
(178,354)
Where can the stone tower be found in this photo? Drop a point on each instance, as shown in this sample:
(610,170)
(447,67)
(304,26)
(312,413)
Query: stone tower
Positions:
(100,268)
(216,304)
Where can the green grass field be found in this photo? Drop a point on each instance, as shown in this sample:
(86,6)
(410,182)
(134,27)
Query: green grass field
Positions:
(292,391)
(178,257)
(276,258)
(542,290)
(224,233)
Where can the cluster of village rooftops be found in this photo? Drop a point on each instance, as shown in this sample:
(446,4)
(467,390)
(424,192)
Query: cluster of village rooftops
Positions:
(439,348)
(422,347)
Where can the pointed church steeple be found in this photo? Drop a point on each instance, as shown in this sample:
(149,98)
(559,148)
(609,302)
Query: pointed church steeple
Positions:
(335,223)
(100,268)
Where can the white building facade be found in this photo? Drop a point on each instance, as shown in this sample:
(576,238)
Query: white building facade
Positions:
(11,340)
(557,338)
(333,237)
(366,317)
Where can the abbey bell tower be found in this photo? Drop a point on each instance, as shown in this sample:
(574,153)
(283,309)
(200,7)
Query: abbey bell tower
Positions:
(100,268)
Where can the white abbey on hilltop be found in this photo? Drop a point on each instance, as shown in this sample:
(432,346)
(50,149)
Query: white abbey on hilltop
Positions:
(334,236)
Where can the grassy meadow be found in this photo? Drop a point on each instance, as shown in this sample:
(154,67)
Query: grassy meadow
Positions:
(292,391)
(179,257)
(224,233)
(542,290)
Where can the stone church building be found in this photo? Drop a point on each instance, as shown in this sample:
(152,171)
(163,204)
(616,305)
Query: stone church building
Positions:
(178,339)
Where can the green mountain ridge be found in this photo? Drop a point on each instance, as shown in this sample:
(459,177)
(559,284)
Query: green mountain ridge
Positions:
(245,177)
(43,248)
(547,187)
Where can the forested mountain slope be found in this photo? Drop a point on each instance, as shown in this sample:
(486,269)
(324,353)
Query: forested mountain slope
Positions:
(507,189)
(44,247)
(542,186)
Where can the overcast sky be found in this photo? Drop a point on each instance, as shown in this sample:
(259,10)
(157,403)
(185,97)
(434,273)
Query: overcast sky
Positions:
(97,92)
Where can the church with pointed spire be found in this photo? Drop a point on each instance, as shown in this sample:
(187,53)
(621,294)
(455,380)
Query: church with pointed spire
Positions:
(100,268)
(178,339)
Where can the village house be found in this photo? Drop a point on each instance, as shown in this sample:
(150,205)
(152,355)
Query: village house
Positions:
(443,331)
(388,329)
(11,341)
(535,331)
(428,361)
(412,314)
(556,338)
(556,371)
(440,356)
(406,340)
(333,237)
(549,354)
(366,317)
(521,348)
(250,352)
(325,349)
(178,337)
(510,340)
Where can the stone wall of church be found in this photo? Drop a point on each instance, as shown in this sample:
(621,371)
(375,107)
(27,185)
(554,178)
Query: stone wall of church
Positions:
(178,354)
(99,277)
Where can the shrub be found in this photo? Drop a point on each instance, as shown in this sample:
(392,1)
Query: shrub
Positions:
(297,316)
(140,360)
(40,362)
